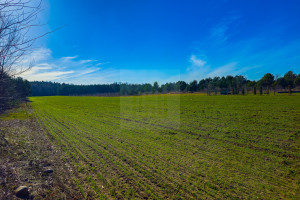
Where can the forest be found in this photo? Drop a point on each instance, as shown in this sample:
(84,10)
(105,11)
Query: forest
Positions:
(217,85)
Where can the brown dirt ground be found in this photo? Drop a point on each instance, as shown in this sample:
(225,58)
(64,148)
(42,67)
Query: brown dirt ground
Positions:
(25,153)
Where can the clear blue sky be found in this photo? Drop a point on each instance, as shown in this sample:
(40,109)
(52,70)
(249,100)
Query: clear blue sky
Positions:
(137,41)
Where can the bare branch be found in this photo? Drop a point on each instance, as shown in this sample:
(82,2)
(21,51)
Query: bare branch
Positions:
(16,19)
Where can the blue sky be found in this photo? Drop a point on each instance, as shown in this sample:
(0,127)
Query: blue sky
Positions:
(137,41)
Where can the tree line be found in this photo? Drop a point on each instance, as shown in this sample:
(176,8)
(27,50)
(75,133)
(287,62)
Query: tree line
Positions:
(216,85)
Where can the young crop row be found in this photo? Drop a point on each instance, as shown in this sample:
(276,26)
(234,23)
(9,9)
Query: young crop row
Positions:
(178,146)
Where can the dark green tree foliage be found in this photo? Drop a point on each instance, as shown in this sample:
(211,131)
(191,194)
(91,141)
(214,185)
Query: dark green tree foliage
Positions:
(203,84)
(223,83)
(193,86)
(22,88)
(240,81)
(12,91)
(289,78)
(230,82)
(281,82)
(226,84)
(251,83)
(168,87)
(181,86)
(297,81)
(155,87)
(266,81)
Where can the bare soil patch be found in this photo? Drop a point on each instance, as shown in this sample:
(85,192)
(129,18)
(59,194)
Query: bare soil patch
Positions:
(27,158)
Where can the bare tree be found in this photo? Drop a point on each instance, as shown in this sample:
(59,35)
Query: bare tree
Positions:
(17,17)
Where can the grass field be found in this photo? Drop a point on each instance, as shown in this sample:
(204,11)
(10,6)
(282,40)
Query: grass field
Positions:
(178,146)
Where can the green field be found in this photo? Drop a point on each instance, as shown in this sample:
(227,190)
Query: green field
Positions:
(178,146)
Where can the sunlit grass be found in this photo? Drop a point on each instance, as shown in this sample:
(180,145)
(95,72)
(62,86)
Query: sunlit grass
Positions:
(20,113)
(179,146)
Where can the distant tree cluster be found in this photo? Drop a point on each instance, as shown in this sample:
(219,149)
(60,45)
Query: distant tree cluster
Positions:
(217,85)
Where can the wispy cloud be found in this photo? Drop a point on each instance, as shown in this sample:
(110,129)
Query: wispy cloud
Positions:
(47,68)
(89,71)
(46,76)
(222,31)
(36,56)
(198,69)
(201,68)
(86,61)
(69,58)
(227,69)
(197,61)
(231,51)
(242,61)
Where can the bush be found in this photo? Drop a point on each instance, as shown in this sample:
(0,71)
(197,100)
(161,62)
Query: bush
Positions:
(12,91)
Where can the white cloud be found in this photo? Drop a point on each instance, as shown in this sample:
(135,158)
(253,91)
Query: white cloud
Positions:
(197,70)
(44,66)
(200,69)
(197,61)
(35,56)
(69,58)
(47,68)
(86,61)
(40,54)
(228,69)
(48,76)
(98,64)
(36,69)
(72,70)
(87,71)
(198,66)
